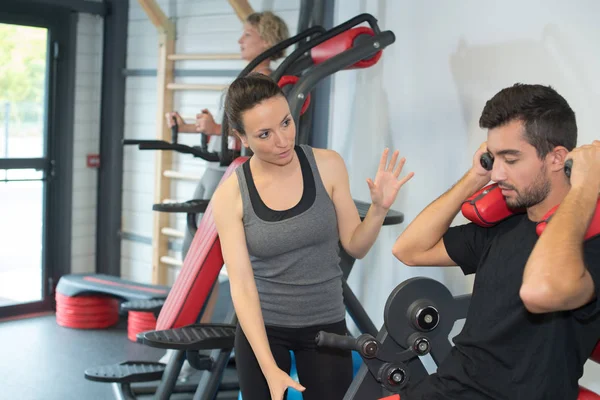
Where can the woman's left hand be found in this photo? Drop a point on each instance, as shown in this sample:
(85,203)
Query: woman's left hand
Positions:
(386,186)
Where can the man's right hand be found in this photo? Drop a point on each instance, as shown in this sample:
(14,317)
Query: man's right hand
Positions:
(279,381)
(477,169)
(181,125)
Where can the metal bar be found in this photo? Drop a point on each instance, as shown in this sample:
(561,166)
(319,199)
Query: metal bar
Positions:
(169,378)
(6,126)
(304,15)
(205,56)
(181,175)
(221,73)
(134,237)
(301,50)
(196,86)
(122,391)
(174,233)
(321,95)
(210,380)
(343,60)
(85,6)
(357,311)
(158,17)
(112,122)
(171,261)
(25,163)
(61,109)
(242,8)
(310,32)
(5,180)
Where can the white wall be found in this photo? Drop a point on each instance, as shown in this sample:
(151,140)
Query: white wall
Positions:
(208,26)
(425,97)
(86,133)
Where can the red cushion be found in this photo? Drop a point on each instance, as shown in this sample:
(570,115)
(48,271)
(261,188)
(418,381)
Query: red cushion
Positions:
(200,270)
(394,397)
(341,43)
(585,394)
(593,227)
(292,80)
(487,206)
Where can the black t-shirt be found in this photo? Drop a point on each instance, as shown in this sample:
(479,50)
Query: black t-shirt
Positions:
(504,351)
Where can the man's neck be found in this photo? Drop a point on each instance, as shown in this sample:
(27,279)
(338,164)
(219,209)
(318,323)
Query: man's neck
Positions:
(555,197)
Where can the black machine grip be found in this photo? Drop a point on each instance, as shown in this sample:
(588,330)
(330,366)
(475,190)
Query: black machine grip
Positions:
(487,162)
(204,142)
(333,340)
(196,206)
(162,145)
(568,167)
(174,130)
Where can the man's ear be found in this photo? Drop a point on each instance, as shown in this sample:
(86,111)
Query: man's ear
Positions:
(557,158)
(242,138)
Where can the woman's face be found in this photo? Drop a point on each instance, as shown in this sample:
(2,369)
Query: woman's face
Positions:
(251,44)
(270,131)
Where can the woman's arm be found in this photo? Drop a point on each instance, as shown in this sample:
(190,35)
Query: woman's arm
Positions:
(227,211)
(355,236)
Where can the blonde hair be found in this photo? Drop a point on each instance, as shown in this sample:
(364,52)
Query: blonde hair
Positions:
(271,28)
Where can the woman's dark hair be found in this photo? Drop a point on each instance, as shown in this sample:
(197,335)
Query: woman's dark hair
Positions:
(246,92)
(547,118)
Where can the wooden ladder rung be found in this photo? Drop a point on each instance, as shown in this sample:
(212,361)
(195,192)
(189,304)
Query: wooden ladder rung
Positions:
(171,261)
(196,86)
(205,56)
(171,232)
(180,175)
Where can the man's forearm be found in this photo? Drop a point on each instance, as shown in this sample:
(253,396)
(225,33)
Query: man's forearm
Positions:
(556,263)
(429,226)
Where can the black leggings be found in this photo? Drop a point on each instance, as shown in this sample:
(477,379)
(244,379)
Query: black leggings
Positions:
(325,373)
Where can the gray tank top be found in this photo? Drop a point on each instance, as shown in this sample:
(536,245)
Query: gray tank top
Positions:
(295,253)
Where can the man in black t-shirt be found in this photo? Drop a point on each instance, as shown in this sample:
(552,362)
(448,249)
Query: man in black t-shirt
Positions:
(534,316)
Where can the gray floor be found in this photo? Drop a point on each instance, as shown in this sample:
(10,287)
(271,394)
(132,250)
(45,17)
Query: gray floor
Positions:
(42,360)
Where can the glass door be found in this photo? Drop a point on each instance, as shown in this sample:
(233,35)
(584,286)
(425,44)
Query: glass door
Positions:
(25,168)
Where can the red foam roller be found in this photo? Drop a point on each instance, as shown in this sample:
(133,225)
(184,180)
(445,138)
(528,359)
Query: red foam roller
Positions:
(139,321)
(86,312)
(341,43)
(585,394)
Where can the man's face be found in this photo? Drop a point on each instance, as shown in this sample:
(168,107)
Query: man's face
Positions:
(519,172)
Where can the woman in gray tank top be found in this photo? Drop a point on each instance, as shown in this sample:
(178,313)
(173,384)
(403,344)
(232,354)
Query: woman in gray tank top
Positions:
(280,220)
(261,31)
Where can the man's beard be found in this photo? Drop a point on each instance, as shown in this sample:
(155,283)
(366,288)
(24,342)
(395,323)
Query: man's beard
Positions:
(534,194)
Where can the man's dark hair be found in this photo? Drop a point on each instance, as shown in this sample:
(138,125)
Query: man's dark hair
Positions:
(547,118)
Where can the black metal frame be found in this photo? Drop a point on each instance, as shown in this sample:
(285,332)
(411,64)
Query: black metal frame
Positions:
(301,51)
(83,6)
(418,317)
(366,49)
(321,95)
(112,124)
(58,163)
(361,50)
